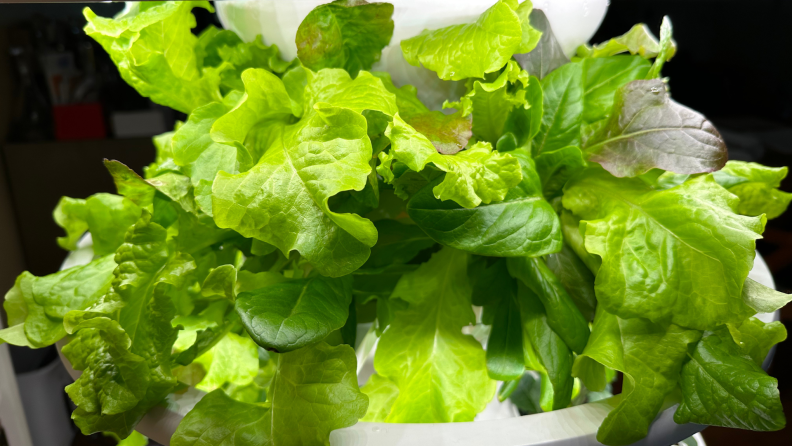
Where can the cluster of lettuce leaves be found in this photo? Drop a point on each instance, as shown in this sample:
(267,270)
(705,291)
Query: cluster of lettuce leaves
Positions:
(570,209)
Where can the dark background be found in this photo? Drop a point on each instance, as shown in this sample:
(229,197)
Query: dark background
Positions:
(733,65)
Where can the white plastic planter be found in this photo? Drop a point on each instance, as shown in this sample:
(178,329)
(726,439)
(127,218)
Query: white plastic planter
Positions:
(574,426)
(573,22)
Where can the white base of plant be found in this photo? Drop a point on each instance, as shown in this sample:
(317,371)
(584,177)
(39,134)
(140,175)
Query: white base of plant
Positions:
(499,425)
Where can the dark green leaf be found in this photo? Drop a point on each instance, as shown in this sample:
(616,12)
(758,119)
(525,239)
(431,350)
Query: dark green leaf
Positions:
(562,313)
(522,224)
(289,315)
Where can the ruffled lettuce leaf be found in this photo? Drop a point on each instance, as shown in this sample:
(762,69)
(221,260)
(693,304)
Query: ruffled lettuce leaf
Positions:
(521,224)
(492,102)
(442,377)
(639,40)
(224,50)
(36,306)
(281,199)
(650,356)
(314,391)
(154,48)
(756,186)
(723,384)
(686,266)
(473,176)
(106,216)
(469,50)
(348,34)
(123,343)
(449,133)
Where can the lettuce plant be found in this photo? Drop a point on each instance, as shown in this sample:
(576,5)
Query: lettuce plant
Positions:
(570,210)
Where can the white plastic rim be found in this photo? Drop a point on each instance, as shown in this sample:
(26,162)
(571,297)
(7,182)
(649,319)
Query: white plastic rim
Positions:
(573,22)
(574,426)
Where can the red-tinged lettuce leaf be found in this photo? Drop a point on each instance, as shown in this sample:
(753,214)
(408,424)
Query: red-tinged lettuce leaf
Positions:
(648,130)
(348,34)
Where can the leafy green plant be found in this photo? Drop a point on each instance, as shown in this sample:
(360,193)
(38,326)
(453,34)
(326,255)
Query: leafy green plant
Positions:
(582,220)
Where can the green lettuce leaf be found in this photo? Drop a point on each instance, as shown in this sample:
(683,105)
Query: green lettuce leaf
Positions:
(348,34)
(492,102)
(442,376)
(667,49)
(723,385)
(680,254)
(283,190)
(757,187)
(398,243)
(505,360)
(381,392)
(314,388)
(545,352)
(202,157)
(648,130)
(470,50)
(36,306)
(530,35)
(638,40)
(576,278)
(234,359)
(473,176)
(224,50)
(562,314)
(650,356)
(290,315)
(556,167)
(603,76)
(563,109)
(154,48)
(521,224)
(106,216)
(123,343)
(763,299)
